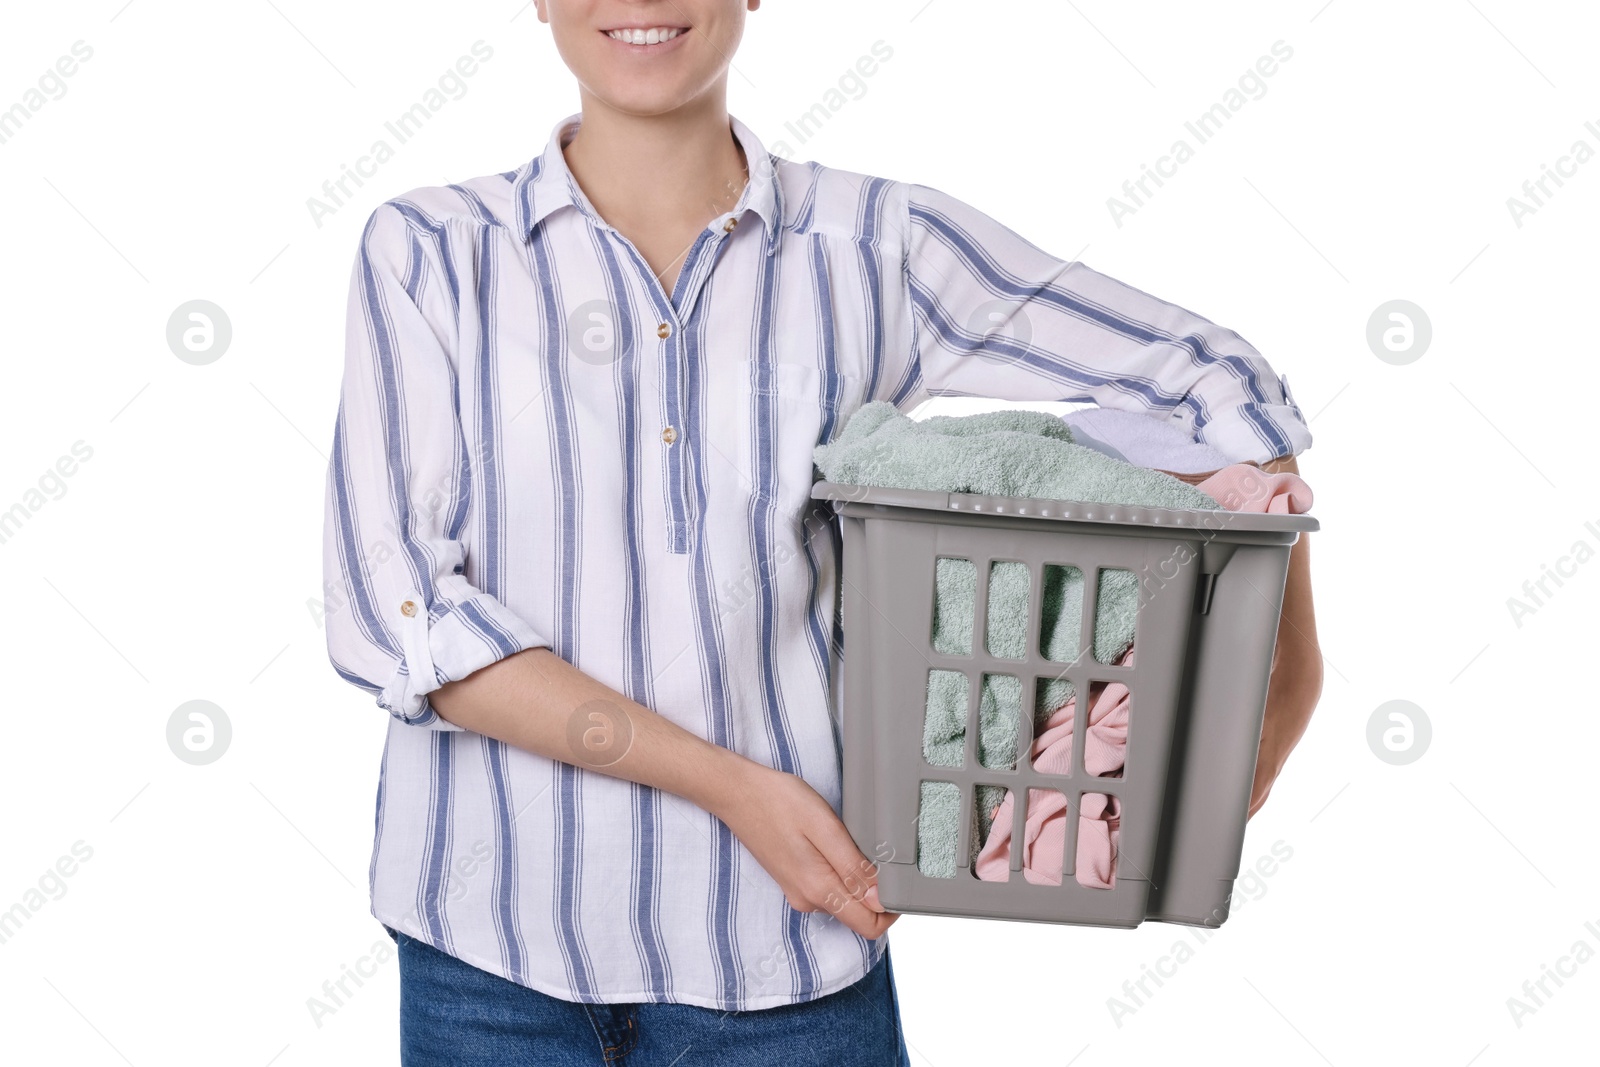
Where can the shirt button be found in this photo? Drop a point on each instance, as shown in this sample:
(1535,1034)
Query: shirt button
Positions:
(669,435)
(409,608)
(664,330)
(727,227)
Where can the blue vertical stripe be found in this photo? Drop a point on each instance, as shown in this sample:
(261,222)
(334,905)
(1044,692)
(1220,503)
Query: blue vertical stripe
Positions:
(567,852)
(490,577)
(873,279)
(722,900)
(764,548)
(435,872)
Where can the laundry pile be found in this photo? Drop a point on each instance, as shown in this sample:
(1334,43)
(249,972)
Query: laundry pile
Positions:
(1097,455)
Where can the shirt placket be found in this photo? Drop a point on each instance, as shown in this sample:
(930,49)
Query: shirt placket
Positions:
(674,315)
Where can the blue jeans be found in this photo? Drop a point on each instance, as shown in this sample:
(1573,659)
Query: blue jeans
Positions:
(453,1013)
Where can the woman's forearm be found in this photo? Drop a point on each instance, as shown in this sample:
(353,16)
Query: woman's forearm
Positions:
(537,701)
(1296,682)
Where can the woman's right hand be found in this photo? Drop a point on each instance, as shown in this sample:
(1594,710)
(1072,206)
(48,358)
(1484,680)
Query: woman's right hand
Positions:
(796,837)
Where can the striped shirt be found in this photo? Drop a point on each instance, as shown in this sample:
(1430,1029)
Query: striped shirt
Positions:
(537,446)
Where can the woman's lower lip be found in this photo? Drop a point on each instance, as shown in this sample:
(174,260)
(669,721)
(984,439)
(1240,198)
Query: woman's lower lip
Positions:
(647,49)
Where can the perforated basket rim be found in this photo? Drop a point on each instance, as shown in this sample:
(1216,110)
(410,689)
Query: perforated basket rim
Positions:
(1064,510)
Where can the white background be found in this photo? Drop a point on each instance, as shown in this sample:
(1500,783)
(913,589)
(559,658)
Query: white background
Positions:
(178,561)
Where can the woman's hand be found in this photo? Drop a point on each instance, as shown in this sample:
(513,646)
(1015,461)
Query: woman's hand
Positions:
(795,836)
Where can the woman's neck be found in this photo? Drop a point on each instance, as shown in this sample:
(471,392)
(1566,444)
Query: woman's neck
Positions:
(659,173)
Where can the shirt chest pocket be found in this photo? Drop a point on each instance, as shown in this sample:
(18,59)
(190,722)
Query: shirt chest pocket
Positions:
(765,419)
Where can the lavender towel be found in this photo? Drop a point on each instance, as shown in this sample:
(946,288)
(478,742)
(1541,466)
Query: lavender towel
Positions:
(1143,441)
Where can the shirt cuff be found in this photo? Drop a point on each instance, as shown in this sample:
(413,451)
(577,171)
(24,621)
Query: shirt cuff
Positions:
(447,645)
(1242,434)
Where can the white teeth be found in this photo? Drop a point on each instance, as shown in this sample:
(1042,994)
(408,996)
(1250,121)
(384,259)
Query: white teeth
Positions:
(654,35)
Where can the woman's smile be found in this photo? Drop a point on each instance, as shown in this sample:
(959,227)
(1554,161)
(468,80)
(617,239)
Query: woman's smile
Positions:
(647,39)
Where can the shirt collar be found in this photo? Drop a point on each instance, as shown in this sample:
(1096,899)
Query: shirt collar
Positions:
(546,184)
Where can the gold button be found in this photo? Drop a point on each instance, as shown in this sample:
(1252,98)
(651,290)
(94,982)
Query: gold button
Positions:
(409,608)
(669,435)
(664,330)
(727,227)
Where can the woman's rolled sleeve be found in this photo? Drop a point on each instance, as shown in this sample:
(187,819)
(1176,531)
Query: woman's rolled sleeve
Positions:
(995,316)
(403,618)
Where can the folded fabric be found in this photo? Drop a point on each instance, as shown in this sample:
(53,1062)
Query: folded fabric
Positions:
(1240,487)
(1004,453)
(1143,440)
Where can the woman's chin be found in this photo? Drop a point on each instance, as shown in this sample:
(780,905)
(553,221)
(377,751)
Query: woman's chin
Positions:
(638,97)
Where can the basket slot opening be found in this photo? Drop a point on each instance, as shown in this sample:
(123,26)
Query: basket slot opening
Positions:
(999,718)
(1029,841)
(991,853)
(1098,829)
(944,724)
(1105,746)
(1060,609)
(1006,628)
(1116,612)
(1053,706)
(954,592)
(938,826)
(1041,861)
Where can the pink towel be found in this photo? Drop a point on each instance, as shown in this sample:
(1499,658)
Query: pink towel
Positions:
(1240,487)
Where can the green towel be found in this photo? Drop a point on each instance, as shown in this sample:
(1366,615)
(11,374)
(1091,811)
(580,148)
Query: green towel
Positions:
(1003,453)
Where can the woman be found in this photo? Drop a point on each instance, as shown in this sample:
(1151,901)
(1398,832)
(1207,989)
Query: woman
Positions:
(568,508)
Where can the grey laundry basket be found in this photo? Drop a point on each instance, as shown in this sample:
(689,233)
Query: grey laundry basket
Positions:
(1210,591)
